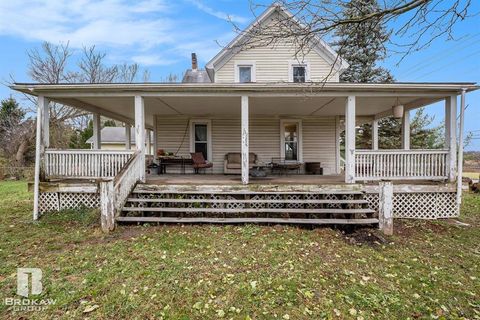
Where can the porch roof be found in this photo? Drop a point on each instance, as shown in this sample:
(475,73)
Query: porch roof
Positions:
(115,100)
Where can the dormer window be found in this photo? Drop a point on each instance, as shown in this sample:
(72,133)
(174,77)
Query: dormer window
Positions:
(299,72)
(245,71)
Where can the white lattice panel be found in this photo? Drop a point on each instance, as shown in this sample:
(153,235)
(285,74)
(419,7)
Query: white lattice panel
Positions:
(48,201)
(71,200)
(257,205)
(419,205)
(297,205)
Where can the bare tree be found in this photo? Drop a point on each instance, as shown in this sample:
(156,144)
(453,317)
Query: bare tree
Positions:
(420,22)
(127,73)
(93,69)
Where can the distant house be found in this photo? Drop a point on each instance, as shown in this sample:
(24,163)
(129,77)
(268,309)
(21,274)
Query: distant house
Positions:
(114,138)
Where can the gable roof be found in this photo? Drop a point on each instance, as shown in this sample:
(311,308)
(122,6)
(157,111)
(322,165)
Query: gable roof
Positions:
(320,47)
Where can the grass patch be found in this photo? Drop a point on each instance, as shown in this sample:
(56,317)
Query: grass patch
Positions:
(471,175)
(427,269)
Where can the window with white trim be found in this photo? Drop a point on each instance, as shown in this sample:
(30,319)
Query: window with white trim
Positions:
(200,138)
(291,135)
(245,72)
(298,72)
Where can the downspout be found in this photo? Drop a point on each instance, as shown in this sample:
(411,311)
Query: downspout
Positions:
(460,150)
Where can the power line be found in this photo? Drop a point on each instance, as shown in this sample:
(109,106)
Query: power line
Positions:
(422,64)
(447,65)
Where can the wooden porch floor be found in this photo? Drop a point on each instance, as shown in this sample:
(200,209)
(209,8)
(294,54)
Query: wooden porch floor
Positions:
(220,179)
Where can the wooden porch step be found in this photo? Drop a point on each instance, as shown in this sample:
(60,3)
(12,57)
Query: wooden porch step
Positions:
(143,190)
(299,201)
(247,210)
(248,220)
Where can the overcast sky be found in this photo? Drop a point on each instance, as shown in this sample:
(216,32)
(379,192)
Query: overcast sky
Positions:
(160,35)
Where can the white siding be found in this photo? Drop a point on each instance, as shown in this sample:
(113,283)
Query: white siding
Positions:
(272,63)
(318,138)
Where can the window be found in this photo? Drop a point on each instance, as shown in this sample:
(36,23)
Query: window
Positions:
(299,74)
(291,140)
(245,71)
(245,74)
(200,138)
(201,141)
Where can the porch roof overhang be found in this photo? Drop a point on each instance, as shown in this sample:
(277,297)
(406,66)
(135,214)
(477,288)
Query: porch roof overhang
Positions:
(115,100)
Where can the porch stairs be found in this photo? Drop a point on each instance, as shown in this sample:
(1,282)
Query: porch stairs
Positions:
(304,204)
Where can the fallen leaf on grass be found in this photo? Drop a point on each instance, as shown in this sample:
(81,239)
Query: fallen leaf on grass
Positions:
(91,308)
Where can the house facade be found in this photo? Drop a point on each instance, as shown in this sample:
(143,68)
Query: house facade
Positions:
(254,109)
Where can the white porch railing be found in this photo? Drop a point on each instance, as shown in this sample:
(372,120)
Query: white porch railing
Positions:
(114,192)
(401,164)
(85,164)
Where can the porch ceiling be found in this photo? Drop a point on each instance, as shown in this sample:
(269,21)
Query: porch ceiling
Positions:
(117,100)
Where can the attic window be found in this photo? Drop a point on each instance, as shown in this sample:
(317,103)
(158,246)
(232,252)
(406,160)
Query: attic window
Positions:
(299,72)
(245,71)
(245,74)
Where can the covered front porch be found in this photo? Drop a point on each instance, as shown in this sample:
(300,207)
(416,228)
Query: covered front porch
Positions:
(294,123)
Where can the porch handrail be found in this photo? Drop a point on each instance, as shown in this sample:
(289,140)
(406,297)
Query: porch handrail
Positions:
(417,164)
(114,192)
(84,164)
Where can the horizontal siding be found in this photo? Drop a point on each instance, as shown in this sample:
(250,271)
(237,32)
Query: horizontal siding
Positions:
(272,63)
(318,138)
(319,142)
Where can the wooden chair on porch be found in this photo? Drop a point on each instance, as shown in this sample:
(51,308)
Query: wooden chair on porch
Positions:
(199,162)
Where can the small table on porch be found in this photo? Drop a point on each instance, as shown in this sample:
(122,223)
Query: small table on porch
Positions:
(259,170)
(163,162)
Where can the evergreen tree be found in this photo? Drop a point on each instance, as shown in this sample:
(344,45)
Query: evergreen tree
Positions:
(364,45)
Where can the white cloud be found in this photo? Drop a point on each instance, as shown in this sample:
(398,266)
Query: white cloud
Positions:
(87,22)
(153,60)
(149,32)
(218,14)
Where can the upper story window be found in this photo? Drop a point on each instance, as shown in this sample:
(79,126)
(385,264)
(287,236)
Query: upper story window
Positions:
(244,74)
(299,72)
(245,71)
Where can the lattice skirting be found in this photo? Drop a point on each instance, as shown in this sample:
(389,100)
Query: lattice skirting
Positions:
(55,201)
(420,205)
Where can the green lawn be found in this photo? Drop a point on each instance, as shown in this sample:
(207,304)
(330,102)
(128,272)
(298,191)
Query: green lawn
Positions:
(426,270)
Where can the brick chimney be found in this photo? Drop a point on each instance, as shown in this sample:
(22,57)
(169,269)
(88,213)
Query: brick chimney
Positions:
(194,61)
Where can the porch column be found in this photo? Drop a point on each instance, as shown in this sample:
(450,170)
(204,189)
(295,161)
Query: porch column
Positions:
(460,149)
(244,116)
(149,142)
(406,130)
(350,140)
(140,132)
(375,134)
(97,144)
(40,143)
(451,135)
(155,139)
(128,135)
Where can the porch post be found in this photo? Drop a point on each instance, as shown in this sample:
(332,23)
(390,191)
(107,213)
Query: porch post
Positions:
(140,132)
(42,107)
(96,132)
(149,142)
(375,134)
(128,135)
(155,139)
(244,116)
(460,150)
(350,140)
(406,130)
(451,135)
